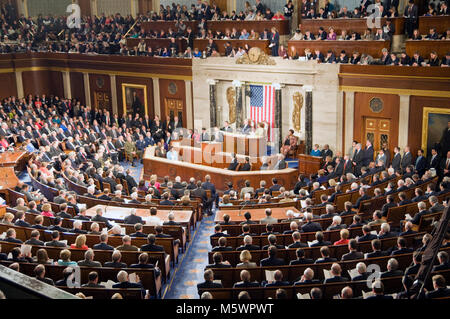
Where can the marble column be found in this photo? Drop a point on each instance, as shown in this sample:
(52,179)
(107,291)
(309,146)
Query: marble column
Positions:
(349,119)
(115,107)
(239,104)
(189,105)
(87,89)
(67,85)
(403,124)
(308,118)
(19,84)
(278,115)
(212,103)
(156,97)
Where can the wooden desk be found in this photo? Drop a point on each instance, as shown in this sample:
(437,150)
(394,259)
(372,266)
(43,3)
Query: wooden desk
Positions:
(257,214)
(12,159)
(9,161)
(162,166)
(357,25)
(242,144)
(119,213)
(258,26)
(372,48)
(441,23)
(424,47)
(308,164)
(262,44)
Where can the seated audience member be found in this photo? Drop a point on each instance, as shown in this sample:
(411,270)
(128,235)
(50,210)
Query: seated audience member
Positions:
(209,283)
(301,260)
(440,289)
(245,257)
(272,259)
(378,291)
(335,271)
(218,262)
(325,253)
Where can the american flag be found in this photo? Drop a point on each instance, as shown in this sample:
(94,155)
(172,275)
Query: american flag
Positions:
(262,106)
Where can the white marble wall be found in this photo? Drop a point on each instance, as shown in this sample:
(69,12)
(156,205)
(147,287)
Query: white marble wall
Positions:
(294,75)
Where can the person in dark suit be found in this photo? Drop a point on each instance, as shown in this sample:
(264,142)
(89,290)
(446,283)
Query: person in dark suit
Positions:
(248,240)
(417,259)
(20,219)
(132,218)
(11,236)
(222,242)
(367,236)
(209,281)
(234,162)
(138,231)
(246,166)
(422,211)
(325,253)
(401,247)
(218,262)
(443,262)
(434,160)
(151,246)
(336,271)
(364,196)
(272,241)
(421,163)
(406,159)
(353,253)
(396,160)
(307,278)
(319,240)
(301,260)
(368,154)
(440,289)
(311,226)
(245,281)
(274,41)
(362,272)
(296,238)
(218,232)
(93,281)
(392,269)
(34,239)
(116,261)
(358,159)
(103,245)
(376,250)
(39,272)
(378,290)
(55,241)
(123,282)
(278,280)
(390,202)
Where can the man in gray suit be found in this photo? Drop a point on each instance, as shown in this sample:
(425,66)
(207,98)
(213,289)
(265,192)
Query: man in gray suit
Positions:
(89,260)
(268,219)
(281,164)
(407,159)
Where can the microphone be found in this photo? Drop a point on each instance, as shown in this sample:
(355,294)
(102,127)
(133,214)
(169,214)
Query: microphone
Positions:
(174,206)
(241,209)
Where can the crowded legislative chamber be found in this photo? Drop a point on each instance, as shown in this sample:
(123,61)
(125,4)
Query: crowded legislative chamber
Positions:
(224,149)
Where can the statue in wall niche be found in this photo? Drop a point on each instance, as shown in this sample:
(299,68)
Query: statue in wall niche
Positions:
(298,104)
(231,99)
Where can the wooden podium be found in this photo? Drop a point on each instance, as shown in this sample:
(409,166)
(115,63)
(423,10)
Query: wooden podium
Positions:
(249,145)
(308,164)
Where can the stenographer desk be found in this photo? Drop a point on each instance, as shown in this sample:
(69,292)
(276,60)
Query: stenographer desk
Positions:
(219,176)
